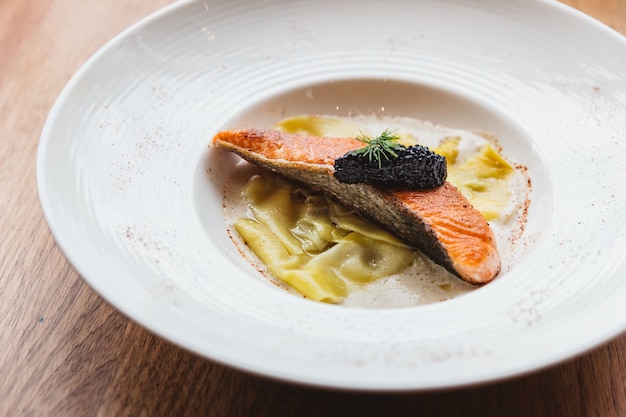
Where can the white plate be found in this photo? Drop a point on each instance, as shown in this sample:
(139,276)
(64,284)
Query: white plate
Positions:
(133,194)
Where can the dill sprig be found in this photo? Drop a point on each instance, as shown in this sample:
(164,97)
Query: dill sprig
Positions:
(382,146)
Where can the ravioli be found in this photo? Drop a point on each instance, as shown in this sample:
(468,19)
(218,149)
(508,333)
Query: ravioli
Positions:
(314,244)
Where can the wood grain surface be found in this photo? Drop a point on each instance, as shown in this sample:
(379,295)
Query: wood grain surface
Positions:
(66,352)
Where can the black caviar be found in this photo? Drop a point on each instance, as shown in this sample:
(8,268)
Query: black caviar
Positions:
(413,167)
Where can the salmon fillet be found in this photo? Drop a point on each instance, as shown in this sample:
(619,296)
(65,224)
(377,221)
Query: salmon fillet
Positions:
(440,222)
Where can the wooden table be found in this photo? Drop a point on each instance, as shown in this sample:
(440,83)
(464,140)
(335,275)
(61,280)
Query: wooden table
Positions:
(66,352)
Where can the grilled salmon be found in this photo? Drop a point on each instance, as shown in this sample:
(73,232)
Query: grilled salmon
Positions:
(440,221)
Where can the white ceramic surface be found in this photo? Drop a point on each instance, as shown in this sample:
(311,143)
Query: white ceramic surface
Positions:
(133,194)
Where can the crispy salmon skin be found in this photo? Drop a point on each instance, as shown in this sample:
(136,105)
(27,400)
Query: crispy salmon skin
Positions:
(440,222)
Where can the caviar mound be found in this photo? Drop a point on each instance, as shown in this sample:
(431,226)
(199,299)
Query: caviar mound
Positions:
(415,167)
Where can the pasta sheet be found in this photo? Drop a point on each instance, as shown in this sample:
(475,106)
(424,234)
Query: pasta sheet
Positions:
(312,243)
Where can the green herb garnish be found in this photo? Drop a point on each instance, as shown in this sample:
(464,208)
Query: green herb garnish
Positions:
(382,146)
